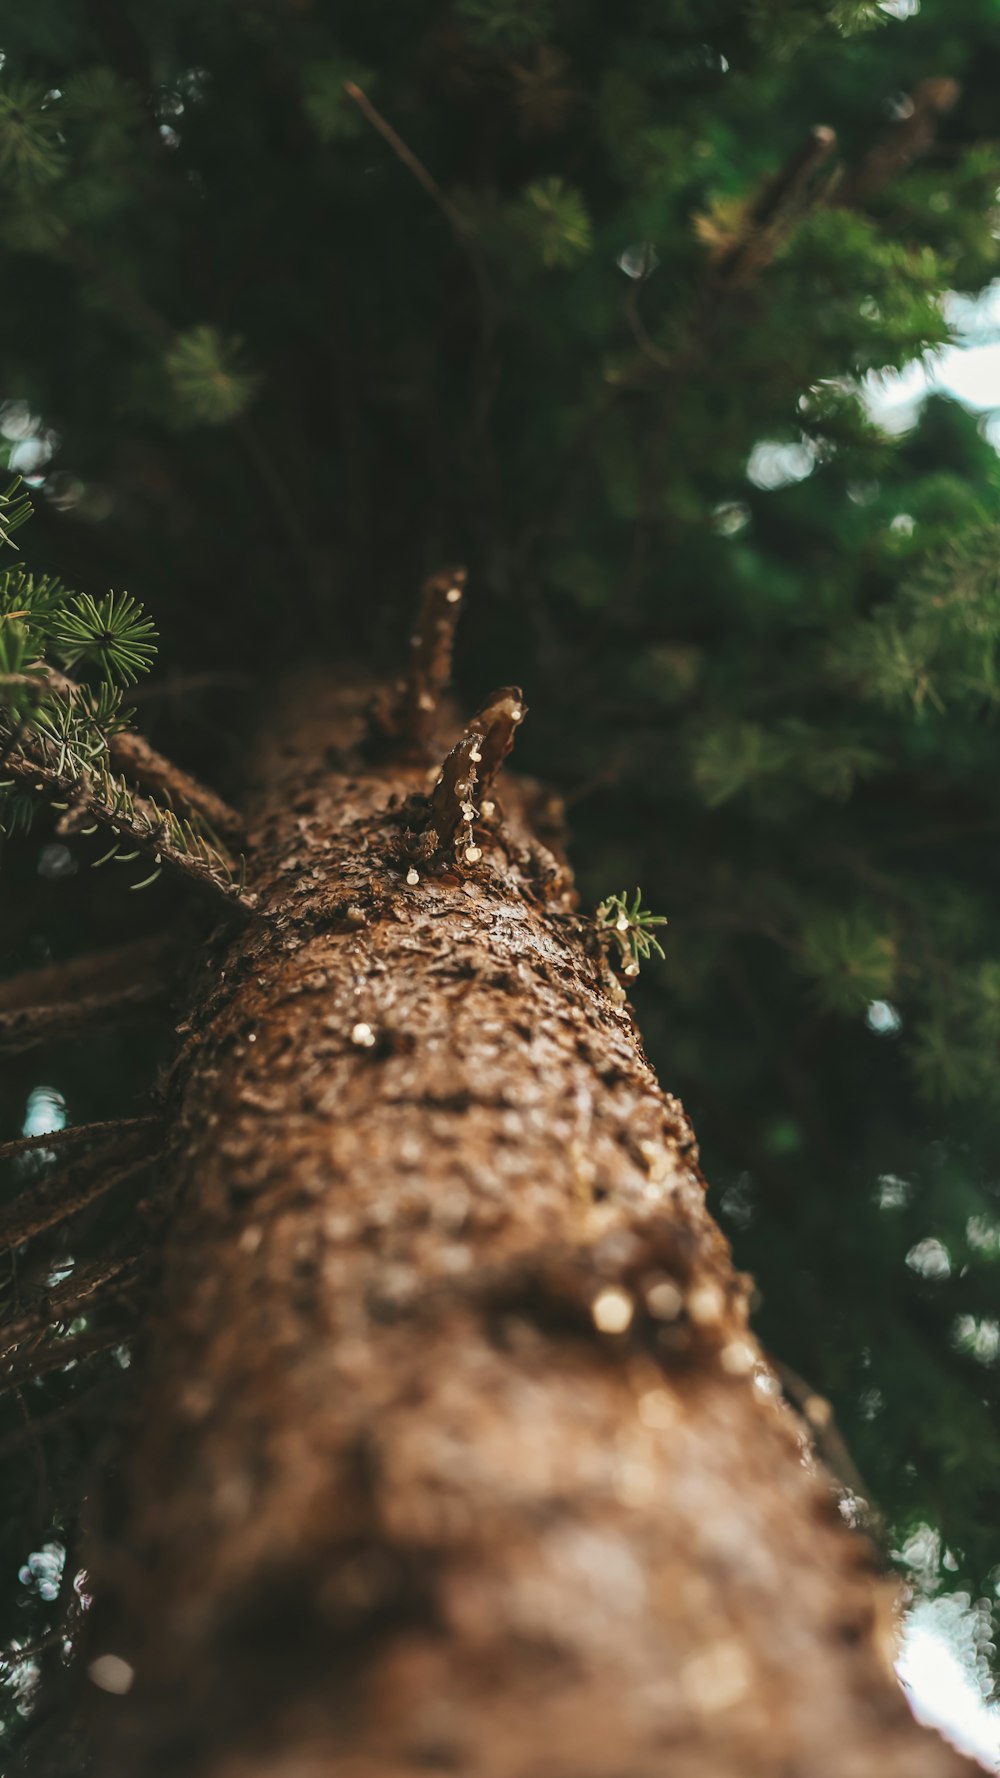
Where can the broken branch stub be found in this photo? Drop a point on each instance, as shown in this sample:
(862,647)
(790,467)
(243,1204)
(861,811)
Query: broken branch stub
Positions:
(410,719)
(470,769)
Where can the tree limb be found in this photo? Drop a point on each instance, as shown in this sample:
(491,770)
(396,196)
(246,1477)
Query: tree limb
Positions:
(102,988)
(132,754)
(902,143)
(116,1127)
(49,1203)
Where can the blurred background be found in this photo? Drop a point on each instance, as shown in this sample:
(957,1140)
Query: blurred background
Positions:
(677,322)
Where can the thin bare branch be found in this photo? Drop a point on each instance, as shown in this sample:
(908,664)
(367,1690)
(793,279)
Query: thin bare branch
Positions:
(30,1026)
(459,224)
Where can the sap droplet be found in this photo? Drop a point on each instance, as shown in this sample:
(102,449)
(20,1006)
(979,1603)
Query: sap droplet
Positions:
(111,1674)
(706,1305)
(738,1359)
(412,876)
(612,1311)
(664,1301)
(453,595)
(473,854)
(363,1035)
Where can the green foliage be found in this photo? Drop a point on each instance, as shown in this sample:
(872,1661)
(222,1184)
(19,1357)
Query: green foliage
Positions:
(331,112)
(630,928)
(937,640)
(506,24)
(554,220)
(850,957)
(209,380)
(15,509)
(30,146)
(111,633)
(68,724)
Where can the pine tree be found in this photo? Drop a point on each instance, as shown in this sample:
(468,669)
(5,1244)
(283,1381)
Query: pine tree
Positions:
(443,1397)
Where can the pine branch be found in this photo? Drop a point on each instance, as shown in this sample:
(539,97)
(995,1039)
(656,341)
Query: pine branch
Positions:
(102,988)
(42,1424)
(65,1301)
(29,1026)
(903,142)
(50,1202)
(156,834)
(132,754)
(58,1355)
(77,1134)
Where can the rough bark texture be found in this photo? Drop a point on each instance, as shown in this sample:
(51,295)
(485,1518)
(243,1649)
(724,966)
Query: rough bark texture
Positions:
(453,1451)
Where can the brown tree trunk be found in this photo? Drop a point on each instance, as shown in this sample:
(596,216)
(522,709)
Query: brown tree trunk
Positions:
(453,1452)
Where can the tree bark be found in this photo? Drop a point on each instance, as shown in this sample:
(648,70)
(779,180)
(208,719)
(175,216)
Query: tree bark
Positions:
(453,1451)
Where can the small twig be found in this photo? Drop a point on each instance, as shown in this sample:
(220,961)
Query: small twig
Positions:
(64,1301)
(459,224)
(409,159)
(640,333)
(93,972)
(175,686)
(450,805)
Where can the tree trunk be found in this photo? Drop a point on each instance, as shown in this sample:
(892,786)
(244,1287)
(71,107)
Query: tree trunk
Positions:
(453,1452)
